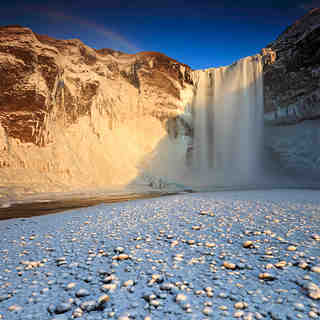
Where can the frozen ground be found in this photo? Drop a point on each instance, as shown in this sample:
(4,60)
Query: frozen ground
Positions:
(223,255)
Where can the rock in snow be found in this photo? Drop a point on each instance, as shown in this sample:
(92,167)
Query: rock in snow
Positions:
(227,280)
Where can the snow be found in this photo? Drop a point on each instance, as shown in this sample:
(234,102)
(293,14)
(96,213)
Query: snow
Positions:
(175,256)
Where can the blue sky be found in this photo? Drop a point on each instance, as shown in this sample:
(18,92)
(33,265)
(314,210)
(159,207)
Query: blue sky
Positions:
(199,33)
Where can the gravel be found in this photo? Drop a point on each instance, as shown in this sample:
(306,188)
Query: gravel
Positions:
(222,255)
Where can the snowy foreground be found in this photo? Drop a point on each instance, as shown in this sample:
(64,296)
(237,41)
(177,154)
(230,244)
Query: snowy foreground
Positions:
(223,255)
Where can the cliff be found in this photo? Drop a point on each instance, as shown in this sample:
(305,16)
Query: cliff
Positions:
(292,98)
(291,89)
(74,117)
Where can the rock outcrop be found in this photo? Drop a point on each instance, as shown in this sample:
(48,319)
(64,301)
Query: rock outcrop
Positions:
(292,80)
(74,116)
(292,96)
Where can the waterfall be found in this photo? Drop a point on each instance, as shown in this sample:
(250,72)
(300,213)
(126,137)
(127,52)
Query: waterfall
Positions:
(228,119)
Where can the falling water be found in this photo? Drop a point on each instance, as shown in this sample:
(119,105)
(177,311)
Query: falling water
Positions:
(228,120)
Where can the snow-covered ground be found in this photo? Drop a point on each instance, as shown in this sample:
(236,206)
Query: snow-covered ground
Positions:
(221,255)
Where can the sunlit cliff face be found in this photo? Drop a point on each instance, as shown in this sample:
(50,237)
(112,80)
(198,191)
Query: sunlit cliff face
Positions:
(73,117)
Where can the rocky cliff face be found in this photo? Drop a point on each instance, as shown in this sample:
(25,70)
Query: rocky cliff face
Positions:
(292,96)
(46,78)
(74,116)
(292,81)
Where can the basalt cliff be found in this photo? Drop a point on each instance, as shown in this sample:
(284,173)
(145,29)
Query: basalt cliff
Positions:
(72,117)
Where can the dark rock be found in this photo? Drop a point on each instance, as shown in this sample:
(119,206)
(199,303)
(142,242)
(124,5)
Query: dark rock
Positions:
(62,307)
(291,81)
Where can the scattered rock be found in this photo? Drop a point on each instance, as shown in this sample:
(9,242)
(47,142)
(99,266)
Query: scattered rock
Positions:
(121,257)
(88,306)
(248,244)
(77,313)
(238,314)
(180,297)
(70,285)
(128,283)
(313,291)
(207,311)
(267,276)
(240,305)
(229,265)
(62,307)
(15,308)
(281,264)
(5,297)
(109,287)
(82,293)
(316,269)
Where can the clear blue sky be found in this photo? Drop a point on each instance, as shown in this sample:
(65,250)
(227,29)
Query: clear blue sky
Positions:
(199,33)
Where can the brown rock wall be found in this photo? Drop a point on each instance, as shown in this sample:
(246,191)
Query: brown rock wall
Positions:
(62,79)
